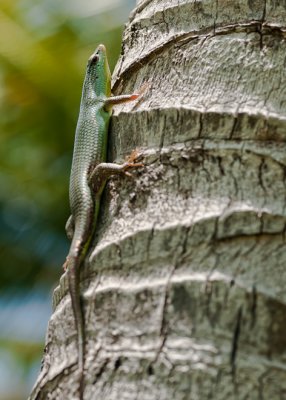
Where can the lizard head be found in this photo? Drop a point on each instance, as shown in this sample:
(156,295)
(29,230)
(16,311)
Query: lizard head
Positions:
(99,72)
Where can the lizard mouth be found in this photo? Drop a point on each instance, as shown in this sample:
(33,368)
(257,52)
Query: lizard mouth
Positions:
(102,48)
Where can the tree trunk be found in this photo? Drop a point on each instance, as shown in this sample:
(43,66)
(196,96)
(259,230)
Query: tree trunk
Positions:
(184,288)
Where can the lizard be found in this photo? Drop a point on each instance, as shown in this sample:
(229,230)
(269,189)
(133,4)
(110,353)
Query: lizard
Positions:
(89,174)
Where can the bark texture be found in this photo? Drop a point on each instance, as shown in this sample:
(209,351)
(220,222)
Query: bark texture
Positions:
(184,288)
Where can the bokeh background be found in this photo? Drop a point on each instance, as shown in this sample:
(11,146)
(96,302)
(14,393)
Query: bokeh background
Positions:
(44,47)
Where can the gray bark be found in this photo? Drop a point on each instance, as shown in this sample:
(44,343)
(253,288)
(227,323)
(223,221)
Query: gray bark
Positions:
(184,288)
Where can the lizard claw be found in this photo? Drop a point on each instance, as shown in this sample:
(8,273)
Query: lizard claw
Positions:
(130,164)
(135,155)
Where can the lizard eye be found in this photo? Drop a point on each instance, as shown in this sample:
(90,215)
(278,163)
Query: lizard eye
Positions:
(94,59)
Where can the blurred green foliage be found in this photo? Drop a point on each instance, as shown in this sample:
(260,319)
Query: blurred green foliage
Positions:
(44,47)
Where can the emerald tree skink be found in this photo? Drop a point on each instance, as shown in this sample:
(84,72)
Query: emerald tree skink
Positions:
(89,174)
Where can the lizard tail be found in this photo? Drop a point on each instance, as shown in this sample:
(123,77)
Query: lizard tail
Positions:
(73,282)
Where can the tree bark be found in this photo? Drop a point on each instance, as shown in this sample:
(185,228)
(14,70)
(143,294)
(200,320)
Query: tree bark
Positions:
(184,287)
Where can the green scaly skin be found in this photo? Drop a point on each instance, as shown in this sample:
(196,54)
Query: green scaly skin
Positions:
(89,174)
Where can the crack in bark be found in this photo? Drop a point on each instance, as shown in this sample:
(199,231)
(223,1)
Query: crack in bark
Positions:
(220,165)
(163,330)
(235,341)
(101,370)
(253,306)
(200,126)
(260,174)
(234,125)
